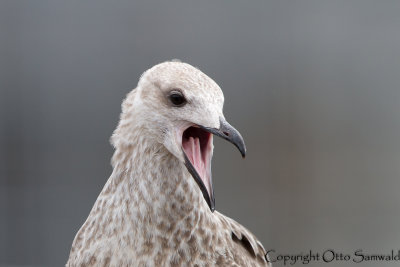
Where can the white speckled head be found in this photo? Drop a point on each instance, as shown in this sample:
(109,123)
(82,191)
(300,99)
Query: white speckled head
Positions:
(164,121)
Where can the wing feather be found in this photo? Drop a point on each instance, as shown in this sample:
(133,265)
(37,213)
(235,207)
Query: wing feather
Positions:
(244,238)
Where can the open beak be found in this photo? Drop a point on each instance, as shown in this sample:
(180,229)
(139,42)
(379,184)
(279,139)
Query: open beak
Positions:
(197,148)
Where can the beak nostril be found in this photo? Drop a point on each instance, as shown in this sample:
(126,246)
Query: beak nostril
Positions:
(226,133)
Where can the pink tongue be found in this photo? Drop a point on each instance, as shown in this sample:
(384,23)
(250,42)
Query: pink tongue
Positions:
(193,151)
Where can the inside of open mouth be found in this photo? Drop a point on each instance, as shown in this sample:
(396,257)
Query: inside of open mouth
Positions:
(197,145)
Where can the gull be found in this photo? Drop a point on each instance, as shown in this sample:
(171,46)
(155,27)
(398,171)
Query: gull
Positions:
(158,206)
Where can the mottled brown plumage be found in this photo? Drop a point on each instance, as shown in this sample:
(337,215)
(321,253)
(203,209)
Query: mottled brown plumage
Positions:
(151,212)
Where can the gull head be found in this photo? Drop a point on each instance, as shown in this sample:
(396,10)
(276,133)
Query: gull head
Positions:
(181,107)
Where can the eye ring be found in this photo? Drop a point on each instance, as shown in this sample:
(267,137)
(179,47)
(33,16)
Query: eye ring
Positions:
(177,98)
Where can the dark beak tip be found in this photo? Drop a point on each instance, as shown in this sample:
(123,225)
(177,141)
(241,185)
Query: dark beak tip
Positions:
(243,151)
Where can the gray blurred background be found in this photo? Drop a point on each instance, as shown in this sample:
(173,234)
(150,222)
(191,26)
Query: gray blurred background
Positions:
(313,86)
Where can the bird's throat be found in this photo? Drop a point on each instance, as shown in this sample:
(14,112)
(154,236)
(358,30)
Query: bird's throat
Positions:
(156,185)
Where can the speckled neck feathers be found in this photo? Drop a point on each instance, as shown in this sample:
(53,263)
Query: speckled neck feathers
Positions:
(149,205)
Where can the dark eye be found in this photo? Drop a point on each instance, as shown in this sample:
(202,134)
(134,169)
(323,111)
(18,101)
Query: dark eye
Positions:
(177,98)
